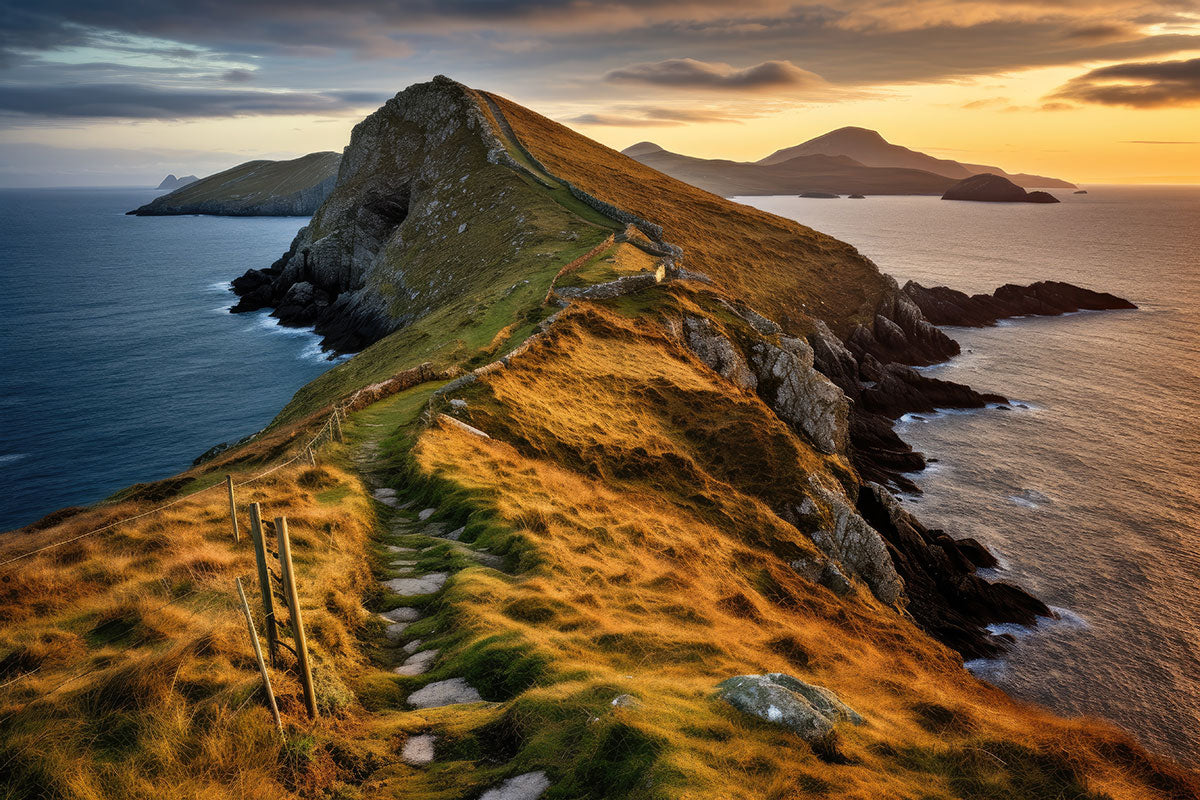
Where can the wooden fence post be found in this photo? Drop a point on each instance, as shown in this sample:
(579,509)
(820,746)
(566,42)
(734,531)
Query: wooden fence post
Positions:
(232,509)
(312,458)
(289,586)
(262,667)
(337,423)
(264,580)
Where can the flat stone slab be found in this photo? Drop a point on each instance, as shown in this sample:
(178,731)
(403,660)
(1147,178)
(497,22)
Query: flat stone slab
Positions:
(383,492)
(444,693)
(412,646)
(401,614)
(417,663)
(403,562)
(425,584)
(489,560)
(426,514)
(456,534)
(393,548)
(529,786)
(396,630)
(418,750)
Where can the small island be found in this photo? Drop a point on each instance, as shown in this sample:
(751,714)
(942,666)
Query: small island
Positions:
(989,188)
(820,195)
(171,183)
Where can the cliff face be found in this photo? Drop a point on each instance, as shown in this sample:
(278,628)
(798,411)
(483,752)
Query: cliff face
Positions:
(294,188)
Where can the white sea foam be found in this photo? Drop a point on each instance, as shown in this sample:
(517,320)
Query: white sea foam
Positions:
(10,458)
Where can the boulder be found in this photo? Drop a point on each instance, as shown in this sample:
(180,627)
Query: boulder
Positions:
(808,710)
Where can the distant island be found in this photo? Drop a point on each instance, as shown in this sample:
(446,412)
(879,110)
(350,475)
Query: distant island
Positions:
(256,188)
(988,188)
(847,161)
(171,183)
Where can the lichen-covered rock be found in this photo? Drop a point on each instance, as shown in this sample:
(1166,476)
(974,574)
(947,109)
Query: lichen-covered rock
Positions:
(799,394)
(717,352)
(850,541)
(808,710)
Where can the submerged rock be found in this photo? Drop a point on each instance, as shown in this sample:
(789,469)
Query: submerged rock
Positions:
(808,710)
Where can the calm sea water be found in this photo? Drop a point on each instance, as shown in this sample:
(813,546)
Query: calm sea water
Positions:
(118,360)
(1091,495)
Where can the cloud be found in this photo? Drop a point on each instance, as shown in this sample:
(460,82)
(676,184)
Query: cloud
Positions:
(1156,141)
(641,116)
(619,121)
(238,76)
(688,73)
(1152,84)
(136,101)
(987,102)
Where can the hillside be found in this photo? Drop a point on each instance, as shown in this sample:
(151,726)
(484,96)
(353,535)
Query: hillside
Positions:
(256,188)
(585,518)
(805,173)
(869,148)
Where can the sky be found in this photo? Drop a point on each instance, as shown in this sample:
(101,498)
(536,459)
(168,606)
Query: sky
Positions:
(120,93)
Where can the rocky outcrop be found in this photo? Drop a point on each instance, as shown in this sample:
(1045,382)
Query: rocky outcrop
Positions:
(294,188)
(989,188)
(808,710)
(945,595)
(171,183)
(944,306)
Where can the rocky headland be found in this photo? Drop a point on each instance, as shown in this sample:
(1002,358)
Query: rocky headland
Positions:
(294,188)
(989,188)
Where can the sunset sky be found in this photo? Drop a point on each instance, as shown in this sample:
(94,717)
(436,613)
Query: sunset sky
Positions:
(120,93)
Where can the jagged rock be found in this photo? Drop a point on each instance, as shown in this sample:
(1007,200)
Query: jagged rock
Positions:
(717,352)
(944,306)
(945,596)
(799,394)
(849,541)
(529,786)
(808,710)
(444,693)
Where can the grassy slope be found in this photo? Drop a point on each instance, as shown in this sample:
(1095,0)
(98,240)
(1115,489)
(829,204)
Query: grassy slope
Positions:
(630,491)
(256,180)
(774,264)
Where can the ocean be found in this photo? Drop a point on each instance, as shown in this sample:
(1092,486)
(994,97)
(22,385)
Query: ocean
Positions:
(1090,492)
(119,361)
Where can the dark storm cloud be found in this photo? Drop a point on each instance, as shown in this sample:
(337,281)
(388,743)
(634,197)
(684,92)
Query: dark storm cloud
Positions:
(1158,84)
(147,102)
(688,73)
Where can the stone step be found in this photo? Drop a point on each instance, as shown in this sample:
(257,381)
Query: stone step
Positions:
(418,750)
(425,584)
(444,693)
(417,663)
(412,646)
(401,614)
(529,786)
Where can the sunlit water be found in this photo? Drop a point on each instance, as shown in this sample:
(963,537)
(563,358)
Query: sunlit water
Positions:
(1090,496)
(119,361)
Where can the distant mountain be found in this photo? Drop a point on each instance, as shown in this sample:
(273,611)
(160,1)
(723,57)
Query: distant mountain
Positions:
(836,174)
(869,148)
(171,183)
(255,189)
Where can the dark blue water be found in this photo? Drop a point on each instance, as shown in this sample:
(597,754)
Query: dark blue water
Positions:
(118,360)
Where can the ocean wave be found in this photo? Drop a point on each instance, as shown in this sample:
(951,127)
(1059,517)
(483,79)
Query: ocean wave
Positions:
(1030,498)
(10,458)
(223,286)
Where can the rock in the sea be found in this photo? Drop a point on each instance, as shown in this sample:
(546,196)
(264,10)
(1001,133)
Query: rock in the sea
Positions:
(820,195)
(944,306)
(811,711)
(988,188)
(171,183)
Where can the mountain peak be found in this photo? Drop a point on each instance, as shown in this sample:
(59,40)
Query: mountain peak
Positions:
(642,148)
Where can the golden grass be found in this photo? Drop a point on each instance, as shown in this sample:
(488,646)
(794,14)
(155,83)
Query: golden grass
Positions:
(783,269)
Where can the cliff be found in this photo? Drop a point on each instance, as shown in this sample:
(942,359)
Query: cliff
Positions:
(254,189)
(584,519)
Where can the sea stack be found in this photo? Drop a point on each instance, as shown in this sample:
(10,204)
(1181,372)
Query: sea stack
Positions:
(989,188)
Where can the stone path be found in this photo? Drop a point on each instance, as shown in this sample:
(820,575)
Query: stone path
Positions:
(415,659)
